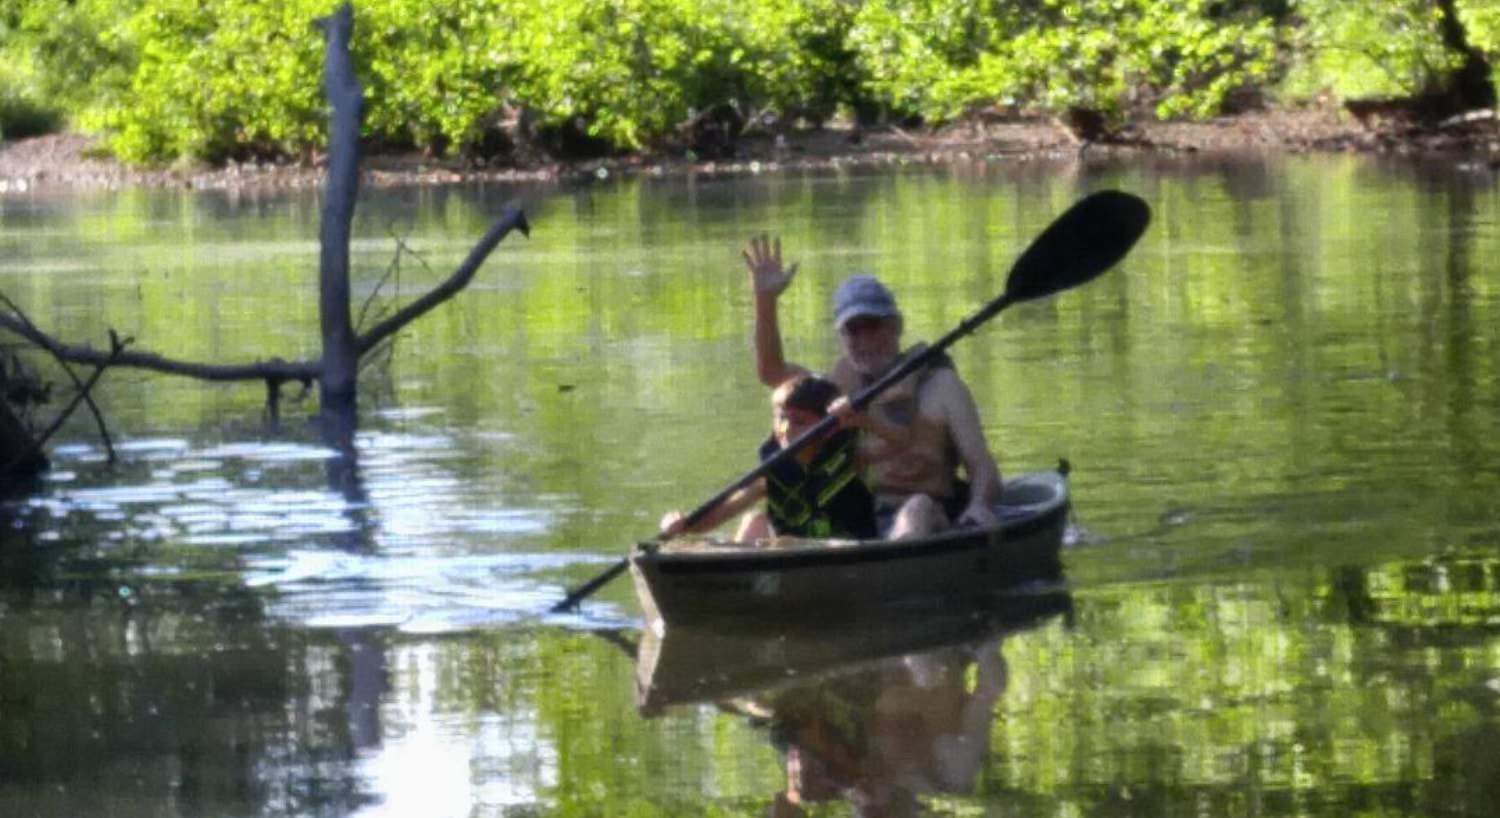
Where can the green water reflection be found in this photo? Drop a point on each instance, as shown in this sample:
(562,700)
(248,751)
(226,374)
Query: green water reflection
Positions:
(1281,410)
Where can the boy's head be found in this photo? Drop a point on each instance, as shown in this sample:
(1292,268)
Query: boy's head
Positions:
(799,403)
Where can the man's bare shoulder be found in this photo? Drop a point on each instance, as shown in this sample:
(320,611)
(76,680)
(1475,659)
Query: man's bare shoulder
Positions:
(945,382)
(943,392)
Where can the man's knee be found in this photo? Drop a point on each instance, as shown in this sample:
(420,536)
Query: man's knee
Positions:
(919,516)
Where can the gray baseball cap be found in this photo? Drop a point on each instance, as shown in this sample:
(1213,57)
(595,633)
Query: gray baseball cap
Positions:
(862,296)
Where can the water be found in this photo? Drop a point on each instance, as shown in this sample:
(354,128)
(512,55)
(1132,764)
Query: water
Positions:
(1280,410)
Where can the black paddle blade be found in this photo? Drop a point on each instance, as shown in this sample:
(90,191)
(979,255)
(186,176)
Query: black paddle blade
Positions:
(1091,237)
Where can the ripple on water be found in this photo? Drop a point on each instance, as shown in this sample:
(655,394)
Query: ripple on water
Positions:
(418,547)
(417,594)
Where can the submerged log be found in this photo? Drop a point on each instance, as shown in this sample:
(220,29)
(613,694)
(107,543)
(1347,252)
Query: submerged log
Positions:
(21,453)
(21,458)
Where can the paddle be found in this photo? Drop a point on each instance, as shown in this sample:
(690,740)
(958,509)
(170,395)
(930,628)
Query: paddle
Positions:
(1077,247)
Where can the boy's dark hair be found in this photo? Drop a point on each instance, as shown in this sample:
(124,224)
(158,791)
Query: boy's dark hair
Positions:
(810,394)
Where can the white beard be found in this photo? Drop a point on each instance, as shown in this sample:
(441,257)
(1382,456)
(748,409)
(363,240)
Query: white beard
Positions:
(871,364)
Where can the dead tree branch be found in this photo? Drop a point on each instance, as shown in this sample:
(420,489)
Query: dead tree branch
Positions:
(117,347)
(85,354)
(392,273)
(512,219)
(88,399)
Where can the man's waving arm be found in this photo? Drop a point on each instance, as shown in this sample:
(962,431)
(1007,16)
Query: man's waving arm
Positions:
(769,278)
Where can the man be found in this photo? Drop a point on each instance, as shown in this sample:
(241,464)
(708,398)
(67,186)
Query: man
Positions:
(913,472)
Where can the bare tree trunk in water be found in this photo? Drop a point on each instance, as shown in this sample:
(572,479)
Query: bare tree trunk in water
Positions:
(340,363)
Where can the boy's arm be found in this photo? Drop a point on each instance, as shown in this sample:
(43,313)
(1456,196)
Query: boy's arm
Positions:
(672,524)
(768,280)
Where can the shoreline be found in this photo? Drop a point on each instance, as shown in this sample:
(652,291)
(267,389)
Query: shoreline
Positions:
(67,162)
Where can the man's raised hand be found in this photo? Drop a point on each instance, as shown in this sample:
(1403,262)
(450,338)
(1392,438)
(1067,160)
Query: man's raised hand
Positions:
(763,259)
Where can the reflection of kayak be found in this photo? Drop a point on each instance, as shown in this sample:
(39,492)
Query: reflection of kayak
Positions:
(696,581)
(692,664)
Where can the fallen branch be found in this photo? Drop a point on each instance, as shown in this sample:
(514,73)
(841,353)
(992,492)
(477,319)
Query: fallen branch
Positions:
(276,369)
(109,446)
(85,354)
(117,347)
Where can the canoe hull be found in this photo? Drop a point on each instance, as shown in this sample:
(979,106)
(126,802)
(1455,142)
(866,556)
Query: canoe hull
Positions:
(834,581)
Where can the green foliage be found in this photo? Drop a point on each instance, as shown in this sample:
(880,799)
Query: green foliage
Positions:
(1481,19)
(22,113)
(236,76)
(216,79)
(799,59)
(213,80)
(629,69)
(435,74)
(942,58)
(1352,50)
(240,77)
(634,70)
(919,56)
(49,52)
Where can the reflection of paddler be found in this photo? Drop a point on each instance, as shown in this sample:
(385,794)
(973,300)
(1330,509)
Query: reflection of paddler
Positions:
(918,724)
(932,733)
(821,731)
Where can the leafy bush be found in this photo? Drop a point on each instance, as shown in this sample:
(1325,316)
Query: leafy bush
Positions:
(920,56)
(800,60)
(217,79)
(49,52)
(22,113)
(1481,18)
(236,76)
(436,74)
(1353,50)
(629,70)
(941,58)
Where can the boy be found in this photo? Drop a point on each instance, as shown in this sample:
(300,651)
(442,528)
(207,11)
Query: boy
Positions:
(817,492)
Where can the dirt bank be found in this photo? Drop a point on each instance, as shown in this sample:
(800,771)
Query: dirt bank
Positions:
(73,161)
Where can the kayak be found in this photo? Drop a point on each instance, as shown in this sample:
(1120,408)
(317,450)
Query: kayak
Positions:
(703,580)
(687,664)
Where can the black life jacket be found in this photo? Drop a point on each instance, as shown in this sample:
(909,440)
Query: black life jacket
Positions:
(825,499)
